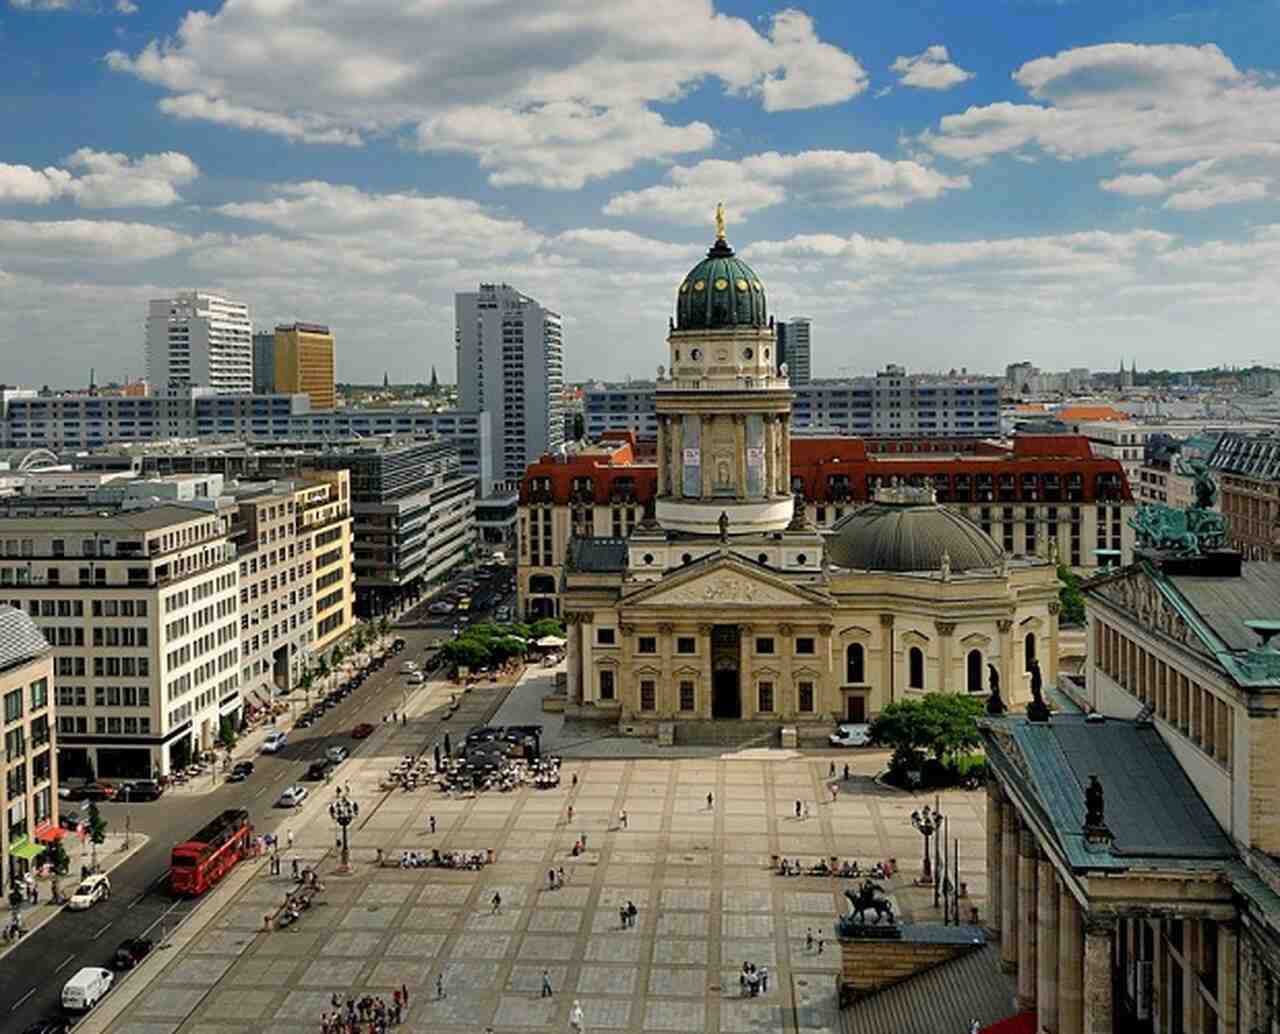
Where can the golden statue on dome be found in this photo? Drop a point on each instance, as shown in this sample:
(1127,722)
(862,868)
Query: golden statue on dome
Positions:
(719,220)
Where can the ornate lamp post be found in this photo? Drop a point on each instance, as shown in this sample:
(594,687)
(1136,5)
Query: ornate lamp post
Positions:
(927,822)
(343,810)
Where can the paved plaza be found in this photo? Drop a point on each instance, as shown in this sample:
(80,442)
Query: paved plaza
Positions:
(700,877)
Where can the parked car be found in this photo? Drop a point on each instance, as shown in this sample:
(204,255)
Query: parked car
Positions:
(71,793)
(337,754)
(407,666)
(441,607)
(100,791)
(318,769)
(292,796)
(415,678)
(361,731)
(130,953)
(240,771)
(850,736)
(141,790)
(274,741)
(85,990)
(92,889)
(305,721)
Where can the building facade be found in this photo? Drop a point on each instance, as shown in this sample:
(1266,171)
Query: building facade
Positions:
(30,790)
(708,597)
(795,350)
(510,353)
(304,359)
(197,338)
(142,611)
(620,407)
(264,362)
(1248,472)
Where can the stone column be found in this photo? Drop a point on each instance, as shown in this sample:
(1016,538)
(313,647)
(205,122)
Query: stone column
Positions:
(886,659)
(1047,906)
(945,631)
(1008,887)
(1192,1007)
(1099,1007)
(740,454)
(770,457)
(784,431)
(995,853)
(1228,963)
(573,688)
(1012,693)
(1051,672)
(1070,965)
(664,463)
(1027,918)
(668,689)
(677,457)
(708,435)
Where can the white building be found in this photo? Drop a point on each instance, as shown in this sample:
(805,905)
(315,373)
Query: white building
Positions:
(620,407)
(197,338)
(511,363)
(794,349)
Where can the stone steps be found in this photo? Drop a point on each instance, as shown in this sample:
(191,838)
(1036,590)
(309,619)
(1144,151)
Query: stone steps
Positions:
(726,732)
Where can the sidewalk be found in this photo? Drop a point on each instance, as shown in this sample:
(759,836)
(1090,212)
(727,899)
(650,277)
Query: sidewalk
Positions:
(111,853)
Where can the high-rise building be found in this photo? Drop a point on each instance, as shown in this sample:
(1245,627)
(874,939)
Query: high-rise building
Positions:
(793,349)
(264,362)
(30,787)
(511,363)
(304,362)
(199,339)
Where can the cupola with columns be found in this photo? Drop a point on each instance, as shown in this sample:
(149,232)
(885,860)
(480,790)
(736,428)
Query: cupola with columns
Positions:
(724,412)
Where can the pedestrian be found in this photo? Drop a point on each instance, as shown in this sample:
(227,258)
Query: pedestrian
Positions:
(574,781)
(622,818)
(583,838)
(834,792)
(570,814)
(575,1017)
(821,943)
(289,837)
(439,985)
(808,939)
(384,717)
(622,916)
(764,979)
(404,994)
(432,821)
(546,984)
(496,902)
(560,876)
(403,720)
(797,809)
(294,862)
(551,879)
(805,815)
(632,912)
(846,772)
(711,801)
(831,772)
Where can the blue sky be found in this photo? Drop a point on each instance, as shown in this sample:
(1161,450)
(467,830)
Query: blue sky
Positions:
(941,184)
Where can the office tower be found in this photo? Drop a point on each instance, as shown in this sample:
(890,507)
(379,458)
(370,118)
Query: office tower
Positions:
(304,363)
(264,362)
(199,339)
(794,350)
(510,362)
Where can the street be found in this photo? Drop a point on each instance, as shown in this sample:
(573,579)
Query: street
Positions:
(140,905)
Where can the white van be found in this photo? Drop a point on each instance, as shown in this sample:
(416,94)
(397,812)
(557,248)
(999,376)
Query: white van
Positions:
(84,990)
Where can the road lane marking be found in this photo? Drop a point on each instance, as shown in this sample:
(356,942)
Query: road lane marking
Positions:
(63,965)
(15,1005)
(101,932)
(160,918)
(136,902)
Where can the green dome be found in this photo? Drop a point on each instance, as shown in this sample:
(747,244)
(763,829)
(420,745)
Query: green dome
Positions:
(721,291)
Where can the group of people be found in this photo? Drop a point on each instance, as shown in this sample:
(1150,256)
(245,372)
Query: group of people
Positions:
(753,980)
(370,1013)
(848,869)
(627,913)
(473,860)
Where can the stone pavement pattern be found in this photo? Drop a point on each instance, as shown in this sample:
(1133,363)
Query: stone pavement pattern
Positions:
(700,878)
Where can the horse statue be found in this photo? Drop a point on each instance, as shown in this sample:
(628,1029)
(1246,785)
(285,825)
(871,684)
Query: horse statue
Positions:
(868,898)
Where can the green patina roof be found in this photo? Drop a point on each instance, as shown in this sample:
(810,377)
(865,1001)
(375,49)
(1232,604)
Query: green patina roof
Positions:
(721,291)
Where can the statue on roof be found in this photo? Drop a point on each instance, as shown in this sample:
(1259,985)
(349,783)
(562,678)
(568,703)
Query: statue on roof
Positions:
(719,220)
(995,702)
(724,526)
(1206,488)
(1094,805)
(1037,710)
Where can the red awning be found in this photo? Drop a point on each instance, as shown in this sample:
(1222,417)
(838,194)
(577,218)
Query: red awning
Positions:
(1023,1023)
(48,834)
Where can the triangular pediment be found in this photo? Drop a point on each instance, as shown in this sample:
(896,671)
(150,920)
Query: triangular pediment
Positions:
(726,581)
(1153,603)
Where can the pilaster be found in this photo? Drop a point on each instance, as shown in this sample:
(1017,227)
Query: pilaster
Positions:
(664,429)
(1028,918)
(1005,626)
(1097,983)
(1228,969)
(995,853)
(1051,675)
(1047,906)
(886,659)
(946,629)
(1070,965)
(1009,888)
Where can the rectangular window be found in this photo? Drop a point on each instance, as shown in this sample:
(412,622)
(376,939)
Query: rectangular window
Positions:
(804,644)
(766,696)
(13,706)
(764,644)
(39,694)
(806,697)
(648,695)
(605,636)
(688,697)
(646,644)
(686,644)
(606,685)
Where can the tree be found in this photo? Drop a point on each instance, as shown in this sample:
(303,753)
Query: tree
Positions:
(467,652)
(227,732)
(1070,596)
(97,830)
(547,626)
(58,857)
(941,726)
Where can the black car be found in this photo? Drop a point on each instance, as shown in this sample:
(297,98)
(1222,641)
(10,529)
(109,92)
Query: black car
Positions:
(141,790)
(305,722)
(49,1025)
(317,770)
(240,771)
(130,953)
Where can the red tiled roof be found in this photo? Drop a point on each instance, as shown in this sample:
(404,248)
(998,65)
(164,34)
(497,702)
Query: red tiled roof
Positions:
(1022,1023)
(1070,413)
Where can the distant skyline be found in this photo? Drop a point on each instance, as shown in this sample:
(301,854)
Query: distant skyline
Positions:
(939,185)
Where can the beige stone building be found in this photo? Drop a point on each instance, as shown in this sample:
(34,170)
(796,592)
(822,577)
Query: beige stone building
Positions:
(29,793)
(725,603)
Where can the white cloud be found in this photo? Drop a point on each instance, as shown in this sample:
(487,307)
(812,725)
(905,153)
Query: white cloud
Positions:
(44,5)
(550,92)
(76,239)
(126,7)
(932,69)
(102,180)
(759,181)
(1151,107)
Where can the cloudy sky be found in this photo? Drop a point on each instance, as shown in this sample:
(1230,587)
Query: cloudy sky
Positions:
(940,184)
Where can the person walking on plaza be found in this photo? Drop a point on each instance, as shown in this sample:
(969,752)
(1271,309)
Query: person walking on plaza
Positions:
(431,821)
(831,772)
(569,813)
(764,979)
(575,1017)
(496,902)
(439,985)
(711,801)
(797,809)
(546,984)
(808,939)
(622,818)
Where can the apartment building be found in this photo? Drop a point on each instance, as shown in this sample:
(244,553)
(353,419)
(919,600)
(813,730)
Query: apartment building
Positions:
(30,787)
(795,349)
(1247,467)
(198,338)
(142,611)
(304,359)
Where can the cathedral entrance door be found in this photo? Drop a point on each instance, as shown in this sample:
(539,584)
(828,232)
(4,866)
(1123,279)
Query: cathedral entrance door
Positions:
(726,653)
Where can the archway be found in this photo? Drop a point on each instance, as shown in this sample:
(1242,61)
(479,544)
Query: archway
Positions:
(726,694)
(973,671)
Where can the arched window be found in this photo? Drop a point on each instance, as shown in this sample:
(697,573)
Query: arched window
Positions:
(854,668)
(915,668)
(1028,650)
(973,670)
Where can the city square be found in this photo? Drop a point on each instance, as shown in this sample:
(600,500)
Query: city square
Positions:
(708,900)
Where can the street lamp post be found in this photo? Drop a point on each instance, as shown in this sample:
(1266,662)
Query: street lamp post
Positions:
(343,810)
(927,822)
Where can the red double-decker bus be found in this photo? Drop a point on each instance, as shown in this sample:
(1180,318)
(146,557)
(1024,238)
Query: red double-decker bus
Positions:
(197,864)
